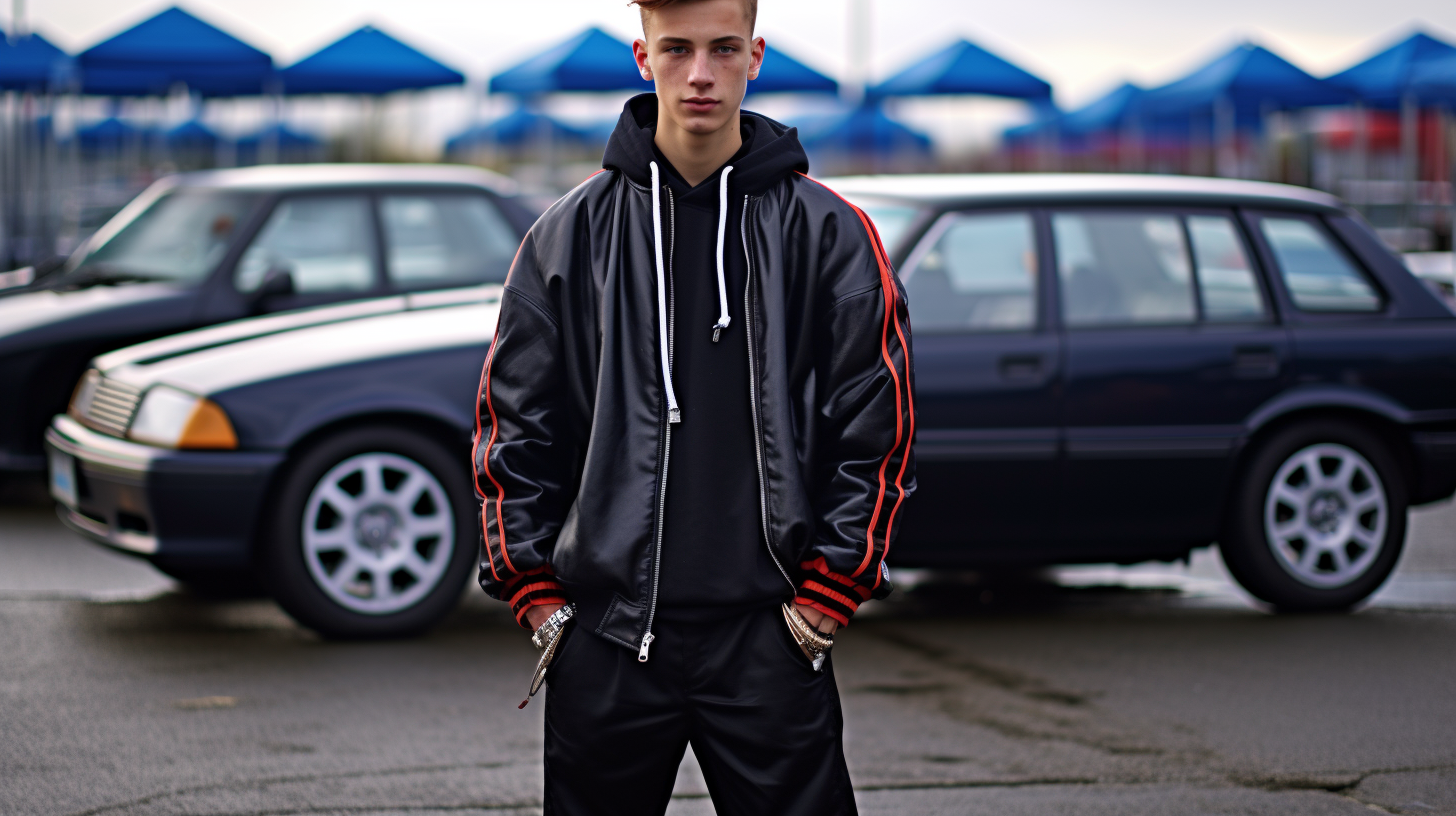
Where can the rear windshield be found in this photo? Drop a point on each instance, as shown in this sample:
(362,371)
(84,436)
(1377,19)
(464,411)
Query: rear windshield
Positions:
(181,238)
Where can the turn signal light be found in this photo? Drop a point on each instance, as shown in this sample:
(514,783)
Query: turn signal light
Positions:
(208,427)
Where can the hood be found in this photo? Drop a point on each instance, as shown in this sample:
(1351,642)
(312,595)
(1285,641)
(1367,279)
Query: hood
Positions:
(771,149)
(212,360)
(45,316)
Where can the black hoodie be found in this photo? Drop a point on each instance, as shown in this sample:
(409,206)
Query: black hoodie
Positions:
(713,556)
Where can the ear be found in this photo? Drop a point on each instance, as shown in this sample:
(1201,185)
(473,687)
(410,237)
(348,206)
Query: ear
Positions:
(755,57)
(639,53)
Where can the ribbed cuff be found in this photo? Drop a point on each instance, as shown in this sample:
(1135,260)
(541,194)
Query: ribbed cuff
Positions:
(532,588)
(829,592)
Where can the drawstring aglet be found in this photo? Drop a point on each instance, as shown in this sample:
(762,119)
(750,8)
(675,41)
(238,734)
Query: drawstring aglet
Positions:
(674,416)
(719,327)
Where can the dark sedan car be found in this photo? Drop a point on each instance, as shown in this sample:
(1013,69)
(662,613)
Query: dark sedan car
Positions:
(204,248)
(1109,369)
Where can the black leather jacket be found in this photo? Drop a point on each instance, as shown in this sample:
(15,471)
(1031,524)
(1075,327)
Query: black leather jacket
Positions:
(574,427)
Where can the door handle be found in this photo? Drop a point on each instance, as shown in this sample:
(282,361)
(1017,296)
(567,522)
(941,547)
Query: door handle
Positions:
(1255,362)
(1020,366)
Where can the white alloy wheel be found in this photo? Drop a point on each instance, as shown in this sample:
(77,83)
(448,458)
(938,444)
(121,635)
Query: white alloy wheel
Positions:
(378,533)
(1325,515)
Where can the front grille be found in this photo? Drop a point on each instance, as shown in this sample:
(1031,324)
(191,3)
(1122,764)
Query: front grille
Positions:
(105,404)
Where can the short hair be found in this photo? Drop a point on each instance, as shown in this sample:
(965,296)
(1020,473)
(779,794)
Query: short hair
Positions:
(750,7)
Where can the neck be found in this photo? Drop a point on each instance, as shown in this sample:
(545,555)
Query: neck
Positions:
(696,155)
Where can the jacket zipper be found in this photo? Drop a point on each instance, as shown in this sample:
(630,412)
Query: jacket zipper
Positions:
(748,304)
(647,636)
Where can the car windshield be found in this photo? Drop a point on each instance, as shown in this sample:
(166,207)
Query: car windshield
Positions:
(180,238)
(891,220)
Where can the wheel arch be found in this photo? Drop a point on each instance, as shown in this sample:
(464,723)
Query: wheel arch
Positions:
(1384,424)
(427,424)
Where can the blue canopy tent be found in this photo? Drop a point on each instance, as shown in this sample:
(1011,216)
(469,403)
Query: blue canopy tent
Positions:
(366,61)
(1435,80)
(781,73)
(1388,78)
(192,135)
(31,63)
(1111,113)
(111,133)
(1232,93)
(591,61)
(519,127)
(173,47)
(279,140)
(1249,79)
(864,133)
(965,68)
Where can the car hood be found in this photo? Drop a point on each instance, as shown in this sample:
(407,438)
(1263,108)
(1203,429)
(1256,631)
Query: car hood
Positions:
(220,358)
(27,312)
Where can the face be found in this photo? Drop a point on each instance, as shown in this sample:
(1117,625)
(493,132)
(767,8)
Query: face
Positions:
(700,56)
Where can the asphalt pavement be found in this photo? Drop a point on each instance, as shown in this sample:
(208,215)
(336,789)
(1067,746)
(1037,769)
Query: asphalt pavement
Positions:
(1158,689)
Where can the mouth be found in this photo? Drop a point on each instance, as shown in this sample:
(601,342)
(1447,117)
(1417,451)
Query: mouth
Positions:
(700,104)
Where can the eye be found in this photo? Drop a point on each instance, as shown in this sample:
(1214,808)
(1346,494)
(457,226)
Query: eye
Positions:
(727,49)
(677,49)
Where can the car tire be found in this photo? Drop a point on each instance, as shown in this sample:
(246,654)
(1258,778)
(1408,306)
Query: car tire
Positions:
(1318,518)
(373,534)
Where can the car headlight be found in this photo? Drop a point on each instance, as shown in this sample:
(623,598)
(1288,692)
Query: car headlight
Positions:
(173,418)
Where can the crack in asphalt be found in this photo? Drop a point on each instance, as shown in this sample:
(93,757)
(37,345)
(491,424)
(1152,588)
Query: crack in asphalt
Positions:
(1032,688)
(257,784)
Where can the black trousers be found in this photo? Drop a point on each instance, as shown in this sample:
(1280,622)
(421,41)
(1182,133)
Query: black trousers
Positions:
(765,727)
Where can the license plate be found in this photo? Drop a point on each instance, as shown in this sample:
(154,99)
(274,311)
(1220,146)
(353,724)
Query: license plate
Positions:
(63,478)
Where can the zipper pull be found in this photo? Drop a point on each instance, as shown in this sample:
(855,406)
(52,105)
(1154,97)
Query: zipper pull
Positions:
(646,642)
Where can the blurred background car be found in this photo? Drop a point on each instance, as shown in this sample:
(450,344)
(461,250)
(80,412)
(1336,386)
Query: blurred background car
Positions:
(1108,368)
(203,248)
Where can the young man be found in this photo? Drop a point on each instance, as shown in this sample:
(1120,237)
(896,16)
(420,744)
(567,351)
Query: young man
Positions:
(695,434)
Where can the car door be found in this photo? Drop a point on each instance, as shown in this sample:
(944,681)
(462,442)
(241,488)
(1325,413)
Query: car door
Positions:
(444,238)
(987,364)
(325,242)
(1170,345)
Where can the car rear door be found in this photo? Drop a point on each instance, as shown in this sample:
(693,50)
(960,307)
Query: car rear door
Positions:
(1171,343)
(987,366)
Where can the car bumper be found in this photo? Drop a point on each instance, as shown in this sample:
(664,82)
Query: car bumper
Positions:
(1436,465)
(184,508)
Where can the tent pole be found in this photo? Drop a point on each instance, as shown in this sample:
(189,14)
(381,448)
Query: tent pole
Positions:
(1359,159)
(1225,149)
(1409,171)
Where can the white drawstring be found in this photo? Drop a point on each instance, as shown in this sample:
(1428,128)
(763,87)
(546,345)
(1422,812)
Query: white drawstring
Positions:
(673,414)
(722,227)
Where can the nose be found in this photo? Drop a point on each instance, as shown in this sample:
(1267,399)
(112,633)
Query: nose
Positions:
(700,76)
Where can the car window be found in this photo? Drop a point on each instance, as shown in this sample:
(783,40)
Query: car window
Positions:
(978,273)
(181,237)
(325,242)
(446,238)
(1320,278)
(1226,278)
(1120,268)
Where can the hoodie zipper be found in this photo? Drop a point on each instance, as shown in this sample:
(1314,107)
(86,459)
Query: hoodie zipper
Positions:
(647,636)
(748,308)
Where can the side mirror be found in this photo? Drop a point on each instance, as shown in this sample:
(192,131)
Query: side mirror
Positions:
(277,282)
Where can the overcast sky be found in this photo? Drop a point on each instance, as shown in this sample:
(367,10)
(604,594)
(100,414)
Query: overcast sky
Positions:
(1082,48)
